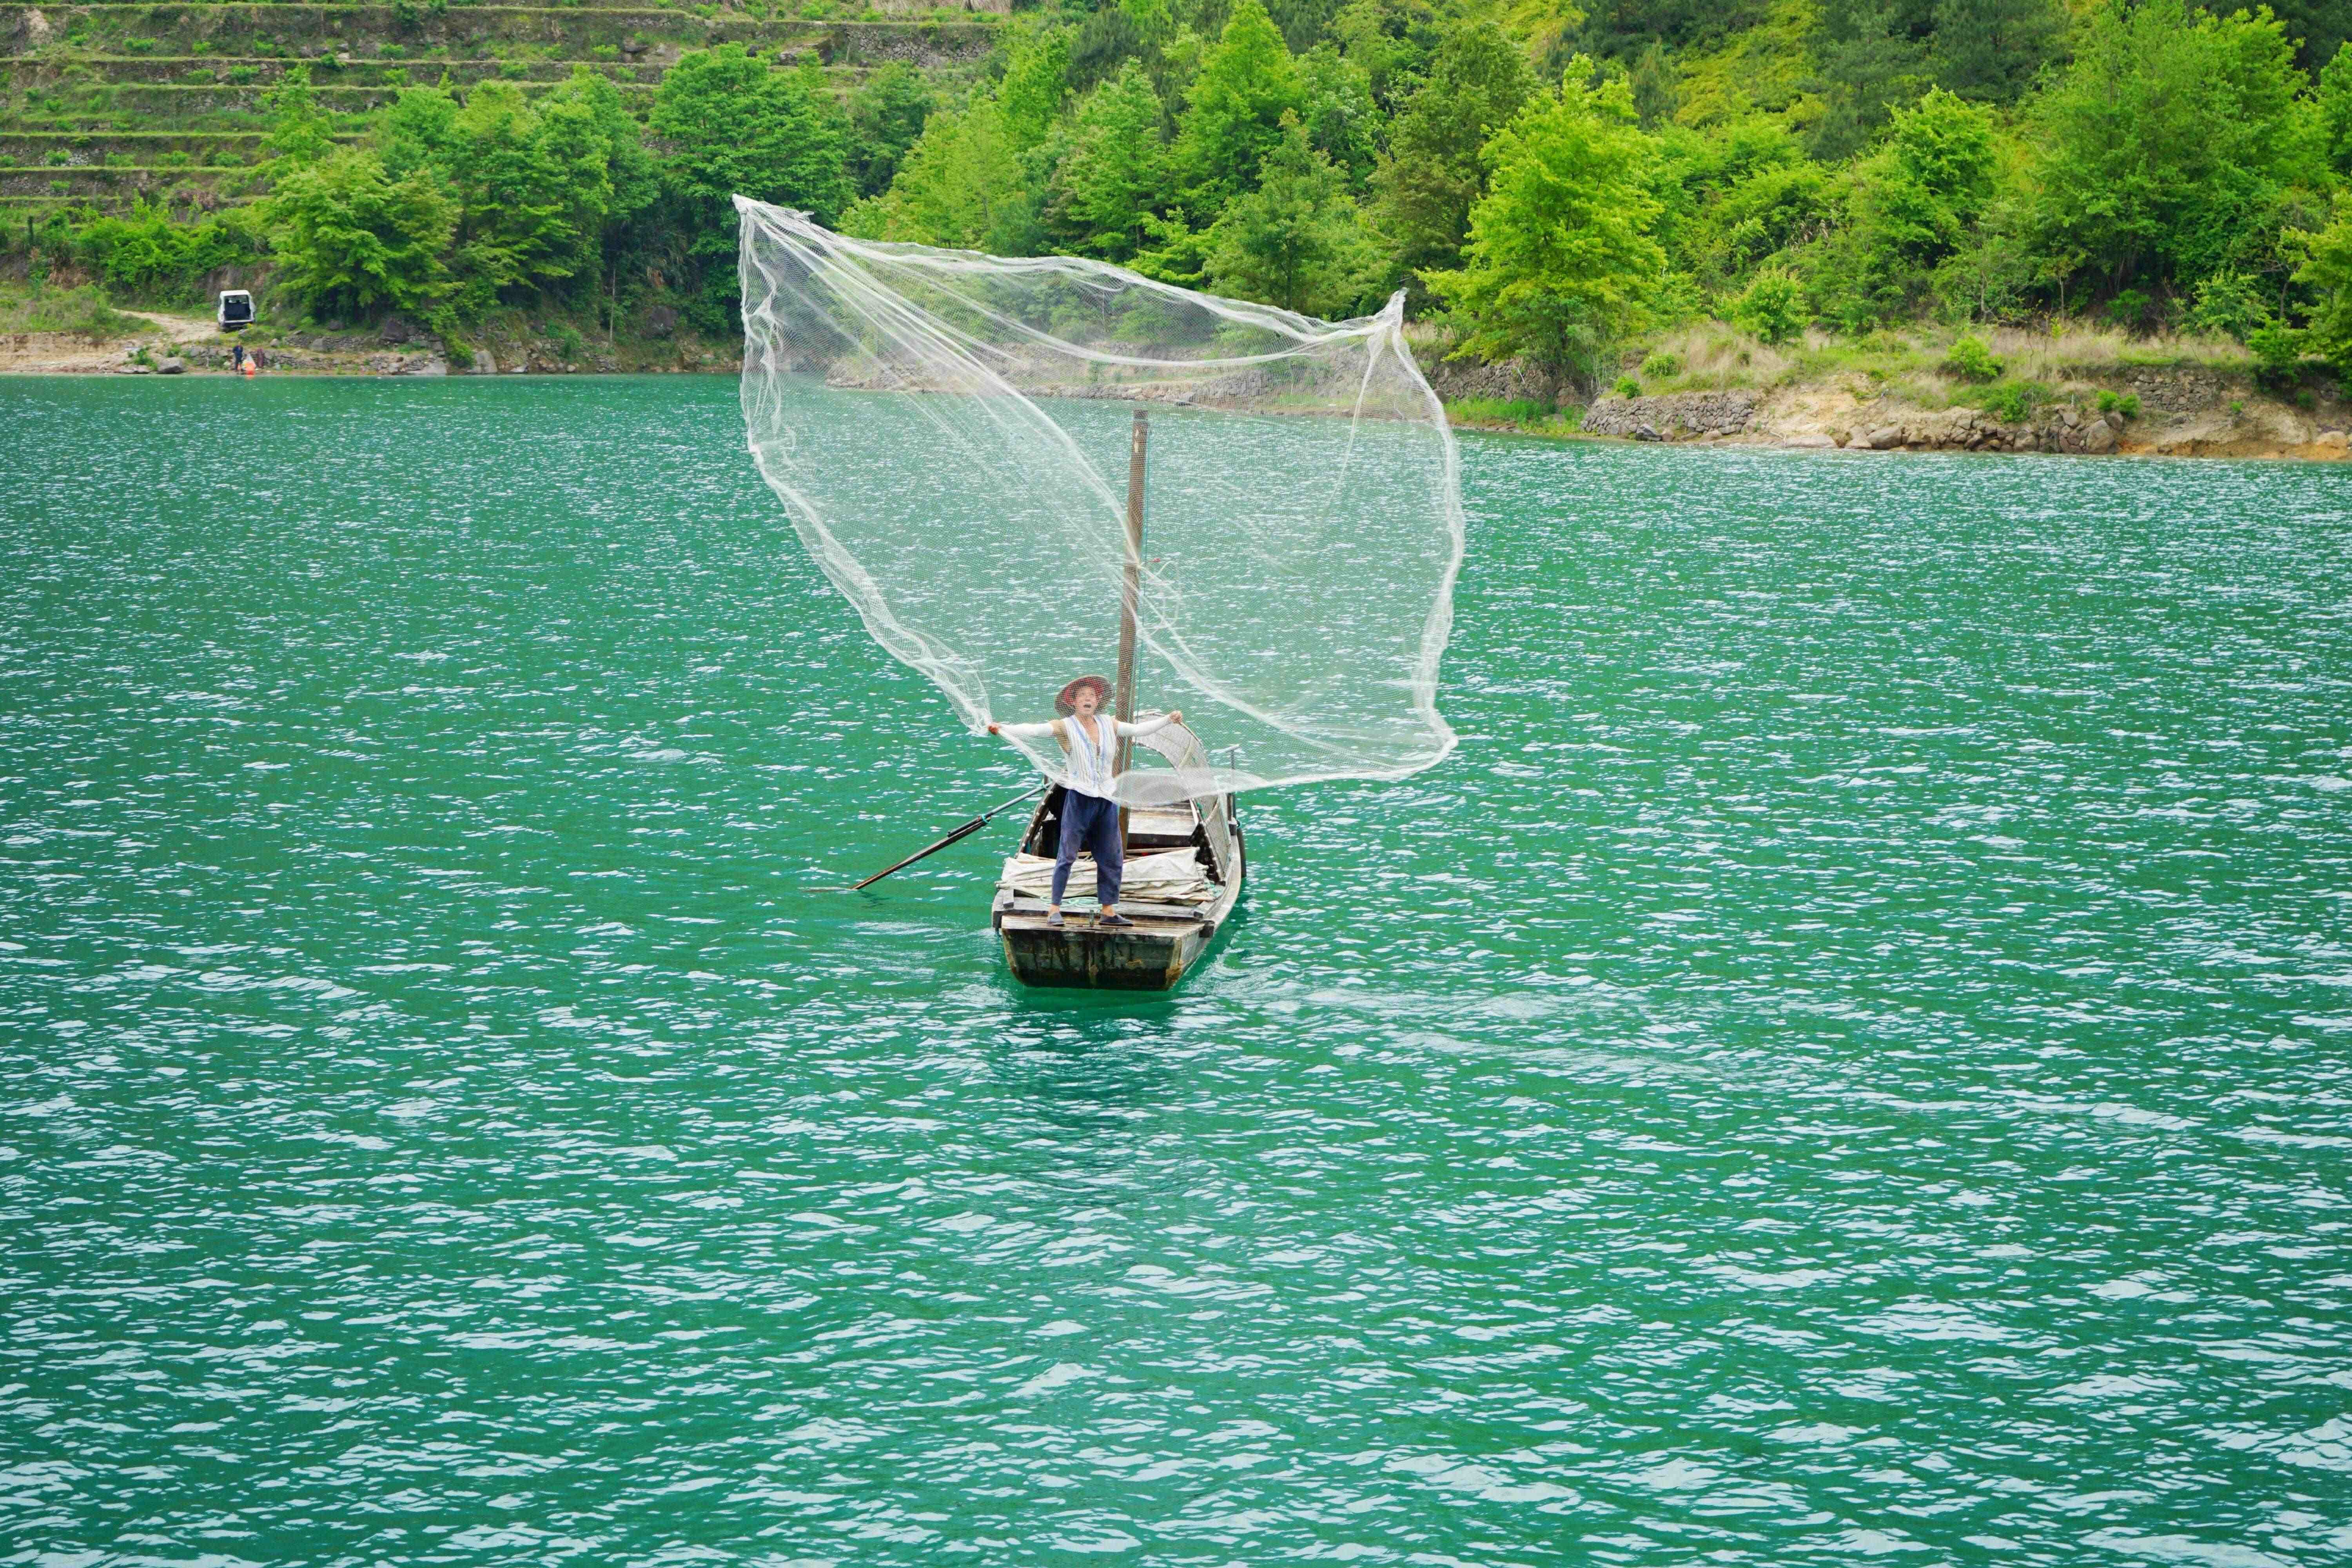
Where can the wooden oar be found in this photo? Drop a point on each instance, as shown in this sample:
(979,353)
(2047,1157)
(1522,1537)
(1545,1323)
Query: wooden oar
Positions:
(966,831)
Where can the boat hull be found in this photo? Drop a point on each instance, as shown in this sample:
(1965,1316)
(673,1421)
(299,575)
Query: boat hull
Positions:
(1082,955)
(1151,954)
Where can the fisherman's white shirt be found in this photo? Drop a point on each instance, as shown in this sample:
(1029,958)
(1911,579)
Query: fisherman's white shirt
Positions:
(1090,756)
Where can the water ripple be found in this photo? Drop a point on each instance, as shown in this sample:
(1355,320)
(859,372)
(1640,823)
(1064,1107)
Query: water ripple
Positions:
(1846,1061)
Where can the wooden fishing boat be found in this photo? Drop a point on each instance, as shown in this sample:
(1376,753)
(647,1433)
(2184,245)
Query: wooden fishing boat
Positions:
(1184,857)
(1185,862)
(1178,908)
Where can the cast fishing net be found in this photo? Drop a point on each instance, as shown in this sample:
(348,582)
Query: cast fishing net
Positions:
(949,434)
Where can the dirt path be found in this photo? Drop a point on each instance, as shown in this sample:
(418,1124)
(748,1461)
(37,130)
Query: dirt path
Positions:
(72,353)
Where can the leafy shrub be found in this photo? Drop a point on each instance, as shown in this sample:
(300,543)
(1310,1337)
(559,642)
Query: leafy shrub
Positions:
(2013,402)
(2228,305)
(2128,405)
(1662,366)
(568,344)
(2129,308)
(1628,387)
(2278,355)
(1970,360)
(1771,307)
(146,254)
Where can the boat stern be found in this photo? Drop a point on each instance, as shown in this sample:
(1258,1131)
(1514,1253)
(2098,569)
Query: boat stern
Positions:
(1151,955)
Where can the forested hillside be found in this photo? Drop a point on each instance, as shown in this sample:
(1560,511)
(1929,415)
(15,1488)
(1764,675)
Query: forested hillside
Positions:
(1547,183)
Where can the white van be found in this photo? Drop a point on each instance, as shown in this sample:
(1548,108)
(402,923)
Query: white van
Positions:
(236,310)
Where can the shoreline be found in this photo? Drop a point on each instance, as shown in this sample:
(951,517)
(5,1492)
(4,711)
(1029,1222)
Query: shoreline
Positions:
(194,345)
(2092,396)
(2156,413)
(2133,411)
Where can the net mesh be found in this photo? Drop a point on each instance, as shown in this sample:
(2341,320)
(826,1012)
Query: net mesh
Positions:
(950,435)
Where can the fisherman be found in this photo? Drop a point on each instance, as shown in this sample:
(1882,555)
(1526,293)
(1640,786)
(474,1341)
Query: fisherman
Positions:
(1089,814)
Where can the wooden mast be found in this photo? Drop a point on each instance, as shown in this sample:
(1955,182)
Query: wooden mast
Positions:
(1131,590)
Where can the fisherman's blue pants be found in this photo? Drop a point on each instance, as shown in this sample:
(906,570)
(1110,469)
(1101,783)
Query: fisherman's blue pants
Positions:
(1090,823)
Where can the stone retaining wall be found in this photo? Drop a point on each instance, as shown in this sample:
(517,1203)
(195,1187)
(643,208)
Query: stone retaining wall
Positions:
(1673,416)
(1510,381)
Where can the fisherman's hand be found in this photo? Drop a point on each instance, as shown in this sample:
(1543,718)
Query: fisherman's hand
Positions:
(992,729)
(1175,715)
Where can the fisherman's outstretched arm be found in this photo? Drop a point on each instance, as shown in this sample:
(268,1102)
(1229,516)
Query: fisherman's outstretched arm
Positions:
(1147,726)
(1023,731)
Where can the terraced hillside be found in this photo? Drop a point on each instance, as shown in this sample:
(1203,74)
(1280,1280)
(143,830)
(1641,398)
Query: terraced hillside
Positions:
(107,103)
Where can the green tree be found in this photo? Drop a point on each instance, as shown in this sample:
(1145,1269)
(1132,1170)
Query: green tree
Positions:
(1338,112)
(2335,100)
(632,170)
(531,191)
(2172,147)
(542,188)
(1391,42)
(414,130)
(2327,270)
(1873,54)
(1763,215)
(1431,172)
(885,116)
(350,238)
(1304,23)
(301,133)
(1625,29)
(1561,264)
(1911,205)
(1932,179)
(963,184)
(2320,29)
(1657,88)
(1036,80)
(1115,173)
(736,126)
(1295,242)
(1988,50)
(1233,111)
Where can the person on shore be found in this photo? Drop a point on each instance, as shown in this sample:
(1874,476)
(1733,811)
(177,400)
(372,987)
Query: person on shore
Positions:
(1089,739)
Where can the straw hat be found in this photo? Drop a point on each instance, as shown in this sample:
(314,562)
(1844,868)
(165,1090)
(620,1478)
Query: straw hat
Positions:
(1067,702)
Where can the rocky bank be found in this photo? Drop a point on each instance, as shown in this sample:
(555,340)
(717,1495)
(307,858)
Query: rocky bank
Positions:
(2181,413)
(2184,410)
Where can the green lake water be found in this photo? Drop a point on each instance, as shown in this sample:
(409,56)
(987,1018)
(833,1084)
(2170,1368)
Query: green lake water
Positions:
(1847,1061)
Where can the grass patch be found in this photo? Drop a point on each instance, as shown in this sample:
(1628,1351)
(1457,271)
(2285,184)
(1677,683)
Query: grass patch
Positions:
(1513,413)
(2079,348)
(2010,401)
(1712,357)
(83,310)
